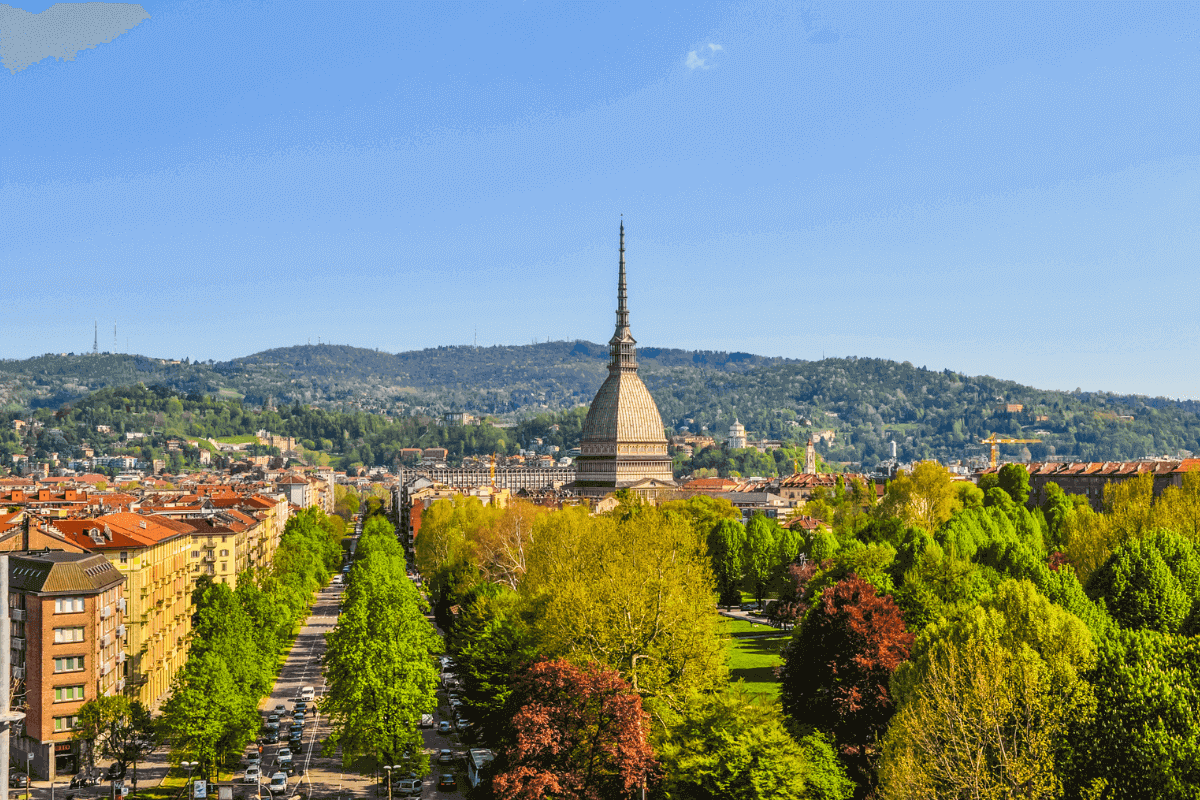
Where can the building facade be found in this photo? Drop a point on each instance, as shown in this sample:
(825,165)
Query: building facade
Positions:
(68,644)
(152,552)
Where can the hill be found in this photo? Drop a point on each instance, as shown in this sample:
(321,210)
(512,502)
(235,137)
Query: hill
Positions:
(866,402)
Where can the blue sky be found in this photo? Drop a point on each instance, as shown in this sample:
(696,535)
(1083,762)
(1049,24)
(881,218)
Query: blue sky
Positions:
(1010,190)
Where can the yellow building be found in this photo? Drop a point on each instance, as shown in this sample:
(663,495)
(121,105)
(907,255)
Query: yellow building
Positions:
(152,552)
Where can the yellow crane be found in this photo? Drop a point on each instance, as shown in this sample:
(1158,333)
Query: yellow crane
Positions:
(995,442)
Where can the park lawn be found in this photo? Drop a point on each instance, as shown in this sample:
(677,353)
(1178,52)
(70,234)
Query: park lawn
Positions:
(754,654)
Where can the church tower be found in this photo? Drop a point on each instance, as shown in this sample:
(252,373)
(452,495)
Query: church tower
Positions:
(810,458)
(623,445)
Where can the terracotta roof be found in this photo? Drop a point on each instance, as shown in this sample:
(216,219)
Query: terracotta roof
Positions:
(1105,468)
(124,530)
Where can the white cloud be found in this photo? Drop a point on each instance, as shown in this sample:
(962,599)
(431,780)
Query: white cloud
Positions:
(694,61)
(62,30)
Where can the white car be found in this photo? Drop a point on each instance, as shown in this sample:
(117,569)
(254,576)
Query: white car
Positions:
(278,784)
(253,774)
(308,693)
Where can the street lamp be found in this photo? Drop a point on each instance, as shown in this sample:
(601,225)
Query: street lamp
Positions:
(388,768)
(28,761)
(189,766)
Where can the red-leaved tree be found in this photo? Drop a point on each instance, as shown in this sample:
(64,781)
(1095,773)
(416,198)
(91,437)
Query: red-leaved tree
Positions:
(837,665)
(578,732)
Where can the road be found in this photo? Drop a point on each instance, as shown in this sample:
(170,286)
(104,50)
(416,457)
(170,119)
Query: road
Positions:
(323,776)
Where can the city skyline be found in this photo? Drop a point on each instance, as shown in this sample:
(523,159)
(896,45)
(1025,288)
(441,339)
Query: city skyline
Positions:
(1006,190)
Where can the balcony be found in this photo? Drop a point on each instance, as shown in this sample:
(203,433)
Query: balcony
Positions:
(120,631)
(105,641)
(105,668)
(18,672)
(121,657)
(106,612)
(18,643)
(121,604)
(18,614)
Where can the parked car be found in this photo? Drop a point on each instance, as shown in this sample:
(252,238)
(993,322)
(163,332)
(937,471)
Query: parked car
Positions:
(446,757)
(278,784)
(447,783)
(253,774)
(462,723)
(408,787)
(18,780)
(445,728)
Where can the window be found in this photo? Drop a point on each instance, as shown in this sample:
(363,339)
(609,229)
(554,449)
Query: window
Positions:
(67,694)
(68,605)
(224,567)
(196,568)
(68,635)
(224,554)
(66,723)
(195,554)
(68,664)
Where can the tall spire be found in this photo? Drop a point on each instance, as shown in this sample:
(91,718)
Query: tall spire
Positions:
(622,353)
(622,310)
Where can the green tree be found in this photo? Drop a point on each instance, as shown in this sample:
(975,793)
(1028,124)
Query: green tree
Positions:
(379,668)
(634,594)
(1144,739)
(208,717)
(924,497)
(1140,588)
(1014,480)
(117,729)
(491,643)
(987,698)
(732,745)
(727,551)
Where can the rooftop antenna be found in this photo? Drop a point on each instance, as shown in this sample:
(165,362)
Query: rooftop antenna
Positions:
(96,338)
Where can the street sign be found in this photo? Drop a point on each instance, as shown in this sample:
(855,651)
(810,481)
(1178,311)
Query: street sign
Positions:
(200,790)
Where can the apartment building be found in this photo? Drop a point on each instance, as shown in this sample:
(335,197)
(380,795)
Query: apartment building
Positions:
(153,553)
(68,646)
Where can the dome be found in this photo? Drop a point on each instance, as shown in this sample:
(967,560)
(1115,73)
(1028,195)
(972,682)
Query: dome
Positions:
(623,411)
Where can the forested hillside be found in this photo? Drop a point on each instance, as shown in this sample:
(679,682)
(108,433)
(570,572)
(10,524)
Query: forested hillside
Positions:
(866,402)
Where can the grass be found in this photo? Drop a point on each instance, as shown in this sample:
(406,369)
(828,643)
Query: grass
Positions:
(245,438)
(754,655)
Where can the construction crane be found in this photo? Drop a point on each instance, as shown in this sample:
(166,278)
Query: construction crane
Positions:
(995,443)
